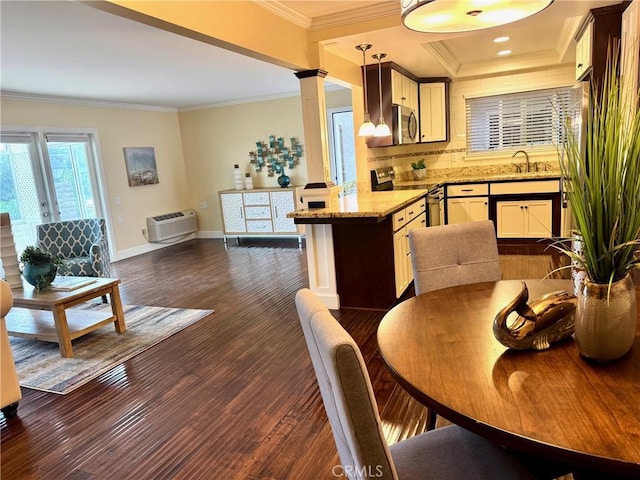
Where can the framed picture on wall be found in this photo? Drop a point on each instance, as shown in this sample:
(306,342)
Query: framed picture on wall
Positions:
(141,166)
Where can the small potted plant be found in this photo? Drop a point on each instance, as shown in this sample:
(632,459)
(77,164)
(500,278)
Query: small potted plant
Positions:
(419,169)
(39,267)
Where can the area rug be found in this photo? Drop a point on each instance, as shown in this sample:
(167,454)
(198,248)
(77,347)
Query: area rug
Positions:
(40,366)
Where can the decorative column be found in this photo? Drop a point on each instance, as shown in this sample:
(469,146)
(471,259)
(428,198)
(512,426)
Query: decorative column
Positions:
(9,255)
(320,190)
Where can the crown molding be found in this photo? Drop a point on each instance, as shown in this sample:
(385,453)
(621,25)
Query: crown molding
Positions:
(332,20)
(285,12)
(441,53)
(356,15)
(567,35)
(27,97)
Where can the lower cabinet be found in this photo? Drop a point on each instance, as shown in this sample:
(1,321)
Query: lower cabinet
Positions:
(414,216)
(372,257)
(260,212)
(465,210)
(467,202)
(524,219)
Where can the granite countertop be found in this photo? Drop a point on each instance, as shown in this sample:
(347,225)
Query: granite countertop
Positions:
(433,181)
(362,205)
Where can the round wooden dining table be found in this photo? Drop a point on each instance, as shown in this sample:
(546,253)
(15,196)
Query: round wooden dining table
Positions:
(553,403)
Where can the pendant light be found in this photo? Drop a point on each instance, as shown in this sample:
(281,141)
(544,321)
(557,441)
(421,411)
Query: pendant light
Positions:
(382,130)
(367,128)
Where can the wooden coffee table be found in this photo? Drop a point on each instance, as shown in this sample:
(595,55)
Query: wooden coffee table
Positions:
(29,317)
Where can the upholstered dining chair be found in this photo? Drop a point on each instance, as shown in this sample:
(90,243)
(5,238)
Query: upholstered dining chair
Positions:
(449,255)
(445,453)
(457,254)
(82,245)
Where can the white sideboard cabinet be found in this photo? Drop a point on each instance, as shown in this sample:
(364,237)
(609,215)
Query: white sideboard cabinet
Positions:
(259,212)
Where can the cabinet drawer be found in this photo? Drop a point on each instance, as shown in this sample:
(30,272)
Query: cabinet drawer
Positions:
(262,212)
(256,198)
(255,226)
(415,209)
(469,190)
(399,219)
(540,186)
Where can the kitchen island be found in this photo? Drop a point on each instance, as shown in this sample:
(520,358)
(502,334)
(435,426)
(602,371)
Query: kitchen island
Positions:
(357,249)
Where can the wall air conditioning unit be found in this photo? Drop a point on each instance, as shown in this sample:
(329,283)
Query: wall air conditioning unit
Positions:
(170,225)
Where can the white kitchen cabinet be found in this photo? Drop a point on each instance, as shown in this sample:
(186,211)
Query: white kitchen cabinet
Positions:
(404,90)
(465,210)
(412,217)
(583,51)
(433,112)
(524,219)
(467,203)
(260,212)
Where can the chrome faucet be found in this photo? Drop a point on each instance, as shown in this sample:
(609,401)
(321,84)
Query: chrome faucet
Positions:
(526,159)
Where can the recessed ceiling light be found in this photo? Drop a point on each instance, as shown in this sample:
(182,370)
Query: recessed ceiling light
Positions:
(446,16)
(501,39)
(504,52)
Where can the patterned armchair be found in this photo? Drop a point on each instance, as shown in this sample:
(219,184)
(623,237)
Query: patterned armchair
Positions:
(82,245)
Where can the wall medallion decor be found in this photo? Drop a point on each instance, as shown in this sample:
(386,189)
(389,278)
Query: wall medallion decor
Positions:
(141,166)
(275,155)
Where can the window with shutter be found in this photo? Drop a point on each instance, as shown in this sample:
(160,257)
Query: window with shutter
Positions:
(523,119)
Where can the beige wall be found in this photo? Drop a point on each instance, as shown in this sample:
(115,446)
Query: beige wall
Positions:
(215,139)
(118,128)
(195,154)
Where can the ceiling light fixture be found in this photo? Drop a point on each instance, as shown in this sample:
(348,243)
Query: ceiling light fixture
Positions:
(382,130)
(501,39)
(367,128)
(504,52)
(449,16)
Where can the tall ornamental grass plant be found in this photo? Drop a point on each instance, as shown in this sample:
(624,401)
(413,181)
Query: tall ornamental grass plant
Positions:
(603,182)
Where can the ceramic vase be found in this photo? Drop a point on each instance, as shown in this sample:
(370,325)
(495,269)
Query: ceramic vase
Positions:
(605,321)
(419,173)
(284,180)
(39,276)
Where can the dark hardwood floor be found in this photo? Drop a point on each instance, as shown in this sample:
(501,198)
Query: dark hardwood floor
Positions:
(233,396)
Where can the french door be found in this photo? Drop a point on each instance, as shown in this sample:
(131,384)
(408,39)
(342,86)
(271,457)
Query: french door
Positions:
(46,177)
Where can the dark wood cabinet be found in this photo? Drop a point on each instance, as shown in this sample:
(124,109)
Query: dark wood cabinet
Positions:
(603,26)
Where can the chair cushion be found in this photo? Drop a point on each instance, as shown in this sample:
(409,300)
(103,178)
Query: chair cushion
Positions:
(455,453)
(77,267)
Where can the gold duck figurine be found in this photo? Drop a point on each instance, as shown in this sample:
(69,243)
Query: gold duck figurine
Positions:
(548,319)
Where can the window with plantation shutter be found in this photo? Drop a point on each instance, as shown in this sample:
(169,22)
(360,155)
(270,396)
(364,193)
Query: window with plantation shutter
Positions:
(519,119)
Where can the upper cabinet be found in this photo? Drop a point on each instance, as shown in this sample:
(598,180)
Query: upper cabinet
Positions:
(598,29)
(434,111)
(404,90)
(429,98)
(583,51)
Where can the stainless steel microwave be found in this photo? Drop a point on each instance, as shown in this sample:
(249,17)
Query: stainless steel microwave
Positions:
(404,125)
